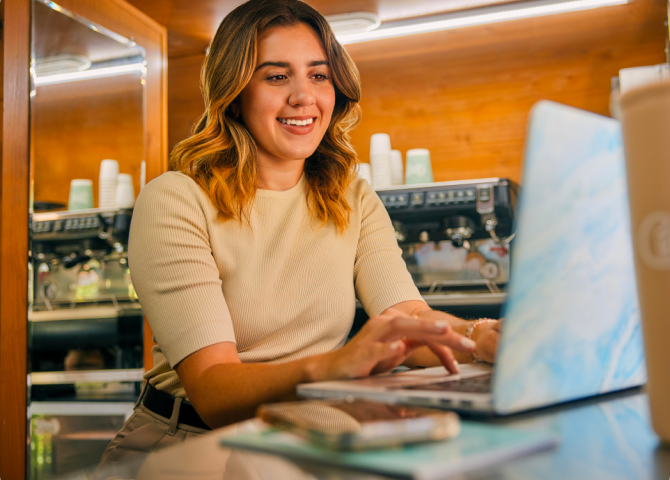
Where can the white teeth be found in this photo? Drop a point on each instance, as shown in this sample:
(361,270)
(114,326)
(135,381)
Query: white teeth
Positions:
(299,123)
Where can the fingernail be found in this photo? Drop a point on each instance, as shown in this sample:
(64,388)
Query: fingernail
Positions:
(457,367)
(440,325)
(467,343)
(395,345)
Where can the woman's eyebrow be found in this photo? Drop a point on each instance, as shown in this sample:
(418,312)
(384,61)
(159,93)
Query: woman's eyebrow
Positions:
(313,63)
(273,64)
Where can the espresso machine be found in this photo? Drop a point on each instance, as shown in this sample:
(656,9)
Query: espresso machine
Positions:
(86,325)
(455,235)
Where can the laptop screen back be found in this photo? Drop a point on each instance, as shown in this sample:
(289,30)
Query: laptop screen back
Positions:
(572,326)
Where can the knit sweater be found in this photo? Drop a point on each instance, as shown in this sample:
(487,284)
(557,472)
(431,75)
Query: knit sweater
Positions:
(282,288)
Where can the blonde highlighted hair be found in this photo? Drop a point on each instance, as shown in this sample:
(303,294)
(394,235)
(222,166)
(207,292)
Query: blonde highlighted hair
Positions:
(220,154)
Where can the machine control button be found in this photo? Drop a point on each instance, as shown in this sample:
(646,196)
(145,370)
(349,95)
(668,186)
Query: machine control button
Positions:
(68,224)
(441,196)
(401,198)
(392,199)
(417,199)
(58,226)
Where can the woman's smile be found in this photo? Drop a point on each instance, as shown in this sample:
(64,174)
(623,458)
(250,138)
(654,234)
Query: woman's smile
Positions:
(298,125)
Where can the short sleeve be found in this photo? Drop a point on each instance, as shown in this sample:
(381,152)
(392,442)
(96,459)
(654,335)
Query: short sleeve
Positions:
(173,270)
(380,273)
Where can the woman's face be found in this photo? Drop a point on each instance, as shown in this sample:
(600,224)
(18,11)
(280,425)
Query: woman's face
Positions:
(289,101)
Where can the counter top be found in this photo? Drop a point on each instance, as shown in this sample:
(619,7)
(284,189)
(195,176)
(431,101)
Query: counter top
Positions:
(608,437)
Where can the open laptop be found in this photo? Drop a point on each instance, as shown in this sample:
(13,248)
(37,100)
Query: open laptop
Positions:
(572,322)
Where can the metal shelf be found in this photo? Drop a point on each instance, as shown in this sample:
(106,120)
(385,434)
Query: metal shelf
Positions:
(81,408)
(84,313)
(86,376)
(460,299)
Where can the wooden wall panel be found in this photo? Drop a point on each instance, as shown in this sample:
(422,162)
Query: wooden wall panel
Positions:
(465,94)
(14,185)
(185,101)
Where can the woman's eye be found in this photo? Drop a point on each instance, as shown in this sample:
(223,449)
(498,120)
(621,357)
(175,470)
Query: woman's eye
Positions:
(277,78)
(321,77)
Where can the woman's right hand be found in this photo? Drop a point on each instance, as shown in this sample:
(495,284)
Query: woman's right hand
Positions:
(384,342)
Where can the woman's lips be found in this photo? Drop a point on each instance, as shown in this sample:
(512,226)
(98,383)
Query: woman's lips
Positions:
(299,130)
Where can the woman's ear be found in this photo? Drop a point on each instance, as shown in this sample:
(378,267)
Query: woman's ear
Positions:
(234,108)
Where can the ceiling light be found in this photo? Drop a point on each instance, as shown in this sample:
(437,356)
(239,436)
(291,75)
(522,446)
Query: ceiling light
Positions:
(88,74)
(58,64)
(469,18)
(353,23)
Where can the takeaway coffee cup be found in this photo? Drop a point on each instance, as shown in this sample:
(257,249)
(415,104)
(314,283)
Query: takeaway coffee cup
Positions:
(418,168)
(81,194)
(646,132)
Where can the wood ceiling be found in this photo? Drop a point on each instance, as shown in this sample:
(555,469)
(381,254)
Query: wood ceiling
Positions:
(192,23)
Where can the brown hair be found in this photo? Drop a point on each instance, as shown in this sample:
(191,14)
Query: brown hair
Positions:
(220,155)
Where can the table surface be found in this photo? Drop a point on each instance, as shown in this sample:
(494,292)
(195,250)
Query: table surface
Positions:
(607,437)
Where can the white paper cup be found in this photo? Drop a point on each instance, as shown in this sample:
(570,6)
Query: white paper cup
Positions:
(364,171)
(381,170)
(125,195)
(379,143)
(109,169)
(81,194)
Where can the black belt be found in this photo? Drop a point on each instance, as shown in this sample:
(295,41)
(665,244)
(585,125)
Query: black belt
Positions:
(162,404)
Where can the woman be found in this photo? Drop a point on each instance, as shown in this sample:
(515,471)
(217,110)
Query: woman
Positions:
(248,256)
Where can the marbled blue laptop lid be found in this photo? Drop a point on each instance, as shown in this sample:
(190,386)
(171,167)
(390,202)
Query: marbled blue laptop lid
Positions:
(572,327)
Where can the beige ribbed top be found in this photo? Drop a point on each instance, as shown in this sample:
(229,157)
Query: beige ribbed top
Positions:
(282,290)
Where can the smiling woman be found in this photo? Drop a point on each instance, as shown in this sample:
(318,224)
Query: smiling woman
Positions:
(272,65)
(248,257)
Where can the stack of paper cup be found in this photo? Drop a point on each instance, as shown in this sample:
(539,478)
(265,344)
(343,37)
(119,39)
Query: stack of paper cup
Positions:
(125,194)
(397,174)
(380,160)
(109,172)
(363,170)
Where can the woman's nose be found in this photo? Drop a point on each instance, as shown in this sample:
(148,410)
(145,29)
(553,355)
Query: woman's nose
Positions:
(301,94)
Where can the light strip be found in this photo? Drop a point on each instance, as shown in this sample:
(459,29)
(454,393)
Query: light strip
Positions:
(87,74)
(471,18)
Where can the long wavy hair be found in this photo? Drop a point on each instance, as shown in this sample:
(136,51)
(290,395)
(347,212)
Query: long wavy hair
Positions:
(220,155)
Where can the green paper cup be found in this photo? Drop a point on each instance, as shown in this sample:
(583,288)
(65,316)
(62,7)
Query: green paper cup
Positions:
(418,168)
(81,194)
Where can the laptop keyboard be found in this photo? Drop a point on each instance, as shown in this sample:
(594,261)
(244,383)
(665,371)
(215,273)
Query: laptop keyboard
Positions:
(478,384)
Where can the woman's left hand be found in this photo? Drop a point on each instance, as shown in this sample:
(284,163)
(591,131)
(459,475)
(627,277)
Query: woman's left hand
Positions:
(487,337)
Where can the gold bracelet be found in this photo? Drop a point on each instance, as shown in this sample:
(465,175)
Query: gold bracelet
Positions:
(471,330)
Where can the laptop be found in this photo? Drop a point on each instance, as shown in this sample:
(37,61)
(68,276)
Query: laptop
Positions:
(572,322)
